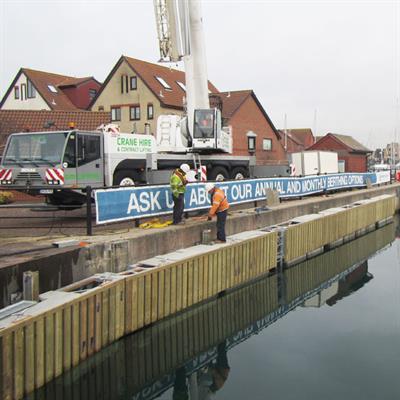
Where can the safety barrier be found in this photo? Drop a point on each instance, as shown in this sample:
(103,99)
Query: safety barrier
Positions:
(39,216)
(125,203)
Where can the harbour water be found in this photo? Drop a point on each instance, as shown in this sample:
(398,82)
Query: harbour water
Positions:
(327,328)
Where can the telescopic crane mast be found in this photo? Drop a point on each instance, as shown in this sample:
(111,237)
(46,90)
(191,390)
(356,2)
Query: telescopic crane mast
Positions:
(181,37)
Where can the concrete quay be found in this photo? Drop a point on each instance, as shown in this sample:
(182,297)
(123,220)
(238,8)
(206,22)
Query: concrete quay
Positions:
(59,267)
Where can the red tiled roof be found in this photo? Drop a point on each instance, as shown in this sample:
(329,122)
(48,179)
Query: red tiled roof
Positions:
(351,142)
(75,81)
(231,101)
(346,140)
(290,143)
(147,72)
(41,80)
(302,136)
(12,121)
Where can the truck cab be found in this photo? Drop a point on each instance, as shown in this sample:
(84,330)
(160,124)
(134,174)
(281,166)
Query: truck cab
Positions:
(46,162)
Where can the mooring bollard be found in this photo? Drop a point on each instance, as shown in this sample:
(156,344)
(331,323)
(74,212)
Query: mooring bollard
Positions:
(30,285)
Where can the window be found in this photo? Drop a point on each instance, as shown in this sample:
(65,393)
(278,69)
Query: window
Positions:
(267,144)
(124,84)
(134,113)
(16,92)
(116,114)
(181,85)
(23,91)
(203,124)
(251,143)
(150,111)
(133,83)
(163,83)
(31,92)
(69,154)
(101,108)
(42,149)
(92,93)
(52,89)
(88,149)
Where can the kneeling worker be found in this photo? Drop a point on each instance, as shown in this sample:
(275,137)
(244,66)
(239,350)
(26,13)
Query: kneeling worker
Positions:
(178,187)
(219,206)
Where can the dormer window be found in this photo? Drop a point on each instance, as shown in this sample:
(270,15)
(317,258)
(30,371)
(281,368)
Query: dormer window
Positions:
(92,93)
(181,85)
(16,92)
(163,83)
(52,89)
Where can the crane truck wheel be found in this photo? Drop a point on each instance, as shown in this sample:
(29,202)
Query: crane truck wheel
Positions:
(239,173)
(218,174)
(125,178)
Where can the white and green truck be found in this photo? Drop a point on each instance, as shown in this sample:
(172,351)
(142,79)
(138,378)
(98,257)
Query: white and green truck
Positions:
(62,164)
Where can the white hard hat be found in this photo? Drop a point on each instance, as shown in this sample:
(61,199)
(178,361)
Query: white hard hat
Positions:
(209,186)
(185,168)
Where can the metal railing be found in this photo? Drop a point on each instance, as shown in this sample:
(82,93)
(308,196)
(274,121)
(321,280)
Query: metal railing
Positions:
(86,205)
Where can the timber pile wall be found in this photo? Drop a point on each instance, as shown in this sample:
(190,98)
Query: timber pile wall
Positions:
(329,228)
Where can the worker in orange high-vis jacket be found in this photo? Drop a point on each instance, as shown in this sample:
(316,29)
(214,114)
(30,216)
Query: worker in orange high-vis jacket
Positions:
(219,207)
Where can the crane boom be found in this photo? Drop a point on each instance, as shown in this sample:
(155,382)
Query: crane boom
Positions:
(172,29)
(180,34)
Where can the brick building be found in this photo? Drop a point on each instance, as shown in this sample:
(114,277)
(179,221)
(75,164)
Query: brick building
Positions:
(294,140)
(351,153)
(39,90)
(253,132)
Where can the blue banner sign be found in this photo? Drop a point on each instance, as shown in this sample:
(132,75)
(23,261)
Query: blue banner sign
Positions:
(145,201)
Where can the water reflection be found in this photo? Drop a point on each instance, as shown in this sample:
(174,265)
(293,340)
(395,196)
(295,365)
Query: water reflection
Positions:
(189,354)
(204,381)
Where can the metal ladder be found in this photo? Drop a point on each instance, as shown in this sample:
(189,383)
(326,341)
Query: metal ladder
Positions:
(280,263)
(281,247)
(197,165)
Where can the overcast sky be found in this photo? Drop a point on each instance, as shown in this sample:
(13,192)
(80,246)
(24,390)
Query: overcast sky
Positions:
(338,60)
